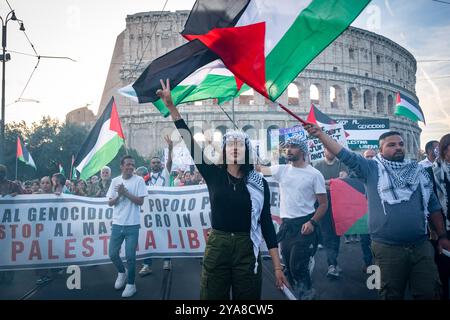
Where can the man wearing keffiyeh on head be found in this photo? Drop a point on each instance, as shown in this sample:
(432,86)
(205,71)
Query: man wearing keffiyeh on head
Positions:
(300,186)
(401,201)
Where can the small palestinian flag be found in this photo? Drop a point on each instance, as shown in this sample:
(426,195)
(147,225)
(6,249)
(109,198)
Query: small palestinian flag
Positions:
(61,169)
(318,117)
(350,207)
(74,174)
(23,155)
(408,108)
(102,144)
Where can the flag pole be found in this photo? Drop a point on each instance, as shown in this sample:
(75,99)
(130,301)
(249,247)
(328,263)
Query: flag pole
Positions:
(414,139)
(71,169)
(16,161)
(292,114)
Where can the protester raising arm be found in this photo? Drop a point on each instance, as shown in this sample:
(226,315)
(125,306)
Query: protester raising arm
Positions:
(353,161)
(206,170)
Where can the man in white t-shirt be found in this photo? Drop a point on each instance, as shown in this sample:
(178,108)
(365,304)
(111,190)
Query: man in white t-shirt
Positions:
(126,194)
(300,187)
(159,176)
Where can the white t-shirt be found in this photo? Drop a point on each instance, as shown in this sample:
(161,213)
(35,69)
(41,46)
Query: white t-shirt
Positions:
(160,179)
(298,189)
(127,213)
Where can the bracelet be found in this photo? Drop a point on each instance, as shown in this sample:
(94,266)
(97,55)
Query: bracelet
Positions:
(279,268)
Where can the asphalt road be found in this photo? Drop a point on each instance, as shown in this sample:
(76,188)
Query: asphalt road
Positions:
(182,282)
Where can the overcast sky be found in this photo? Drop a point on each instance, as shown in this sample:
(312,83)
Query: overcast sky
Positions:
(86,30)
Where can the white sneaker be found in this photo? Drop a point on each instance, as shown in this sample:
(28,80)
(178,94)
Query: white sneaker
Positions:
(129,291)
(146,270)
(121,280)
(332,272)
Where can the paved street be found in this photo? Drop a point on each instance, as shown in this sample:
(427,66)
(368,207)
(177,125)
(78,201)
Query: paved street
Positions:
(182,282)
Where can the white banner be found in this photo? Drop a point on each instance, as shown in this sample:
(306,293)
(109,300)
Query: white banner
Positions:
(48,231)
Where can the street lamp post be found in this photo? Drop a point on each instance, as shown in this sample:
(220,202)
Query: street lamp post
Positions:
(10,16)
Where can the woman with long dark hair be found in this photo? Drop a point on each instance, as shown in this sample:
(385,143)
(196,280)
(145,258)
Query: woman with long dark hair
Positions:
(240,216)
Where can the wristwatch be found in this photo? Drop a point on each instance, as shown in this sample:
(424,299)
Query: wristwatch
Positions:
(314,223)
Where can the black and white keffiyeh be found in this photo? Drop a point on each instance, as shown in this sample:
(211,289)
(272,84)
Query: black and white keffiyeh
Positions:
(255,187)
(397,181)
(441,169)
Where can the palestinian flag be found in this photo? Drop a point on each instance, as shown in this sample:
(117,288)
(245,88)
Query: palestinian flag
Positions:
(102,144)
(272,41)
(350,207)
(318,117)
(73,175)
(61,169)
(23,155)
(213,80)
(408,108)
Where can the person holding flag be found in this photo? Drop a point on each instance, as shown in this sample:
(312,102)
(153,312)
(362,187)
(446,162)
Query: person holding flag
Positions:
(240,216)
(400,198)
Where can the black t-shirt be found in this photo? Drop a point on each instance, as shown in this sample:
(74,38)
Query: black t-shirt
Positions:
(229,197)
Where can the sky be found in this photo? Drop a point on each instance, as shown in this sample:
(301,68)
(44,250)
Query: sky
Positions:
(86,31)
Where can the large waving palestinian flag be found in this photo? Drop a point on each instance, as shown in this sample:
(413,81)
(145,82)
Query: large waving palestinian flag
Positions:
(272,41)
(350,207)
(213,80)
(23,155)
(408,108)
(102,144)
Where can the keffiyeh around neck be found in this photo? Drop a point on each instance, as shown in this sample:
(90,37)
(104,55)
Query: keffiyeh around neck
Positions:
(441,169)
(397,181)
(255,187)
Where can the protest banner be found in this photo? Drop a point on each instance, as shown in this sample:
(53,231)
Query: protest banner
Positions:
(363,134)
(49,231)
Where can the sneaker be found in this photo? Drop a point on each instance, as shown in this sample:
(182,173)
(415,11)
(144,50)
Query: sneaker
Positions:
(43,280)
(320,246)
(332,272)
(146,270)
(347,240)
(167,265)
(356,238)
(129,291)
(308,294)
(121,280)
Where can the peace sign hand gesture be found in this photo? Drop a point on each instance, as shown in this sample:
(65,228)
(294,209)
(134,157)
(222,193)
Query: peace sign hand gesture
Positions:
(165,94)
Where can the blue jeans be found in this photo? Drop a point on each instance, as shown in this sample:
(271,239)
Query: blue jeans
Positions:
(131,235)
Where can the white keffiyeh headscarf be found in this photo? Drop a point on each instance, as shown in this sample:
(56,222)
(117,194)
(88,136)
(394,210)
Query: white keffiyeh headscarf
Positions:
(397,181)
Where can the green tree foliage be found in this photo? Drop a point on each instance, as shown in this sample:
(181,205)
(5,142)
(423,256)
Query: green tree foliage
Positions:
(51,142)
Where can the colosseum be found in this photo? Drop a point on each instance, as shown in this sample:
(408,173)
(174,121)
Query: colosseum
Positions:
(356,77)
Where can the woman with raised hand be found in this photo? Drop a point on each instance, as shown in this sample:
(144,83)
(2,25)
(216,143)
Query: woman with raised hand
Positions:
(240,216)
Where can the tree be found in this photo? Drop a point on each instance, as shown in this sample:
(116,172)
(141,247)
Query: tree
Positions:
(51,142)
